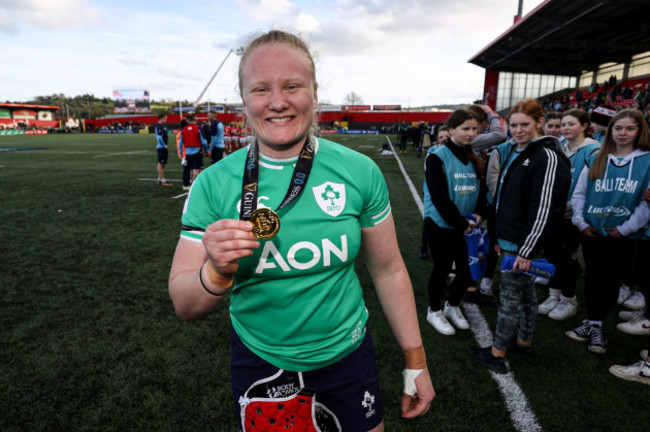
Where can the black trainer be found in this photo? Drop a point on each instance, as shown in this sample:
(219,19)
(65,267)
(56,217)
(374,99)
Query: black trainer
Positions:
(478,298)
(484,357)
(523,352)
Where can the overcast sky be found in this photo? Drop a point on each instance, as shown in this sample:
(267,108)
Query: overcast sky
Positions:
(407,52)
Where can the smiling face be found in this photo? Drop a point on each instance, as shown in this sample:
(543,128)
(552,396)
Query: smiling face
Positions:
(279,97)
(624,133)
(524,128)
(552,127)
(572,129)
(464,133)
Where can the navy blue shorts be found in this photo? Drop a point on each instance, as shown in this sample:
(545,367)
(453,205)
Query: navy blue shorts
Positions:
(162,155)
(347,392)
(195,161)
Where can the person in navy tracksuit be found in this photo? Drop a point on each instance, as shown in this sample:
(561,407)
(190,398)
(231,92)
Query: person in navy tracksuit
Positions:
(161,148)
(216,141)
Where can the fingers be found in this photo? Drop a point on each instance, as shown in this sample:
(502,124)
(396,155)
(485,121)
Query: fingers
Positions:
(521,264)
(413,406)
(228,240)
(409,403)
(418,404)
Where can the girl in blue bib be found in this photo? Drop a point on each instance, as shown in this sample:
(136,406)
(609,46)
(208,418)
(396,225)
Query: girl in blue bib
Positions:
(578,146)
(451,192)
(609,210)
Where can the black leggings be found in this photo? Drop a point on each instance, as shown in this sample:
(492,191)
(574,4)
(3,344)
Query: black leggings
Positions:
(402,141)
(563,253)
(605,260)
(447,246)
(641,273)
(493,256)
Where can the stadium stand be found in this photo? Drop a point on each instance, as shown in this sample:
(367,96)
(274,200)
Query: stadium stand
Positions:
(565,48)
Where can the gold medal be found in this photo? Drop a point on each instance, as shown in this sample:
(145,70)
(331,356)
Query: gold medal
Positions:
(266,223)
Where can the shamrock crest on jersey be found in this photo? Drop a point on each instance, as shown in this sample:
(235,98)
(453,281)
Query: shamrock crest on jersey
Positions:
(330,197)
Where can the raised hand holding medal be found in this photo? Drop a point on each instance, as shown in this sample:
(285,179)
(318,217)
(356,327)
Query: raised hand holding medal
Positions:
(266,222)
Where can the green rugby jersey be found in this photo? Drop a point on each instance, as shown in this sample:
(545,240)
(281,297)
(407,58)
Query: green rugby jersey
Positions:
(297,302)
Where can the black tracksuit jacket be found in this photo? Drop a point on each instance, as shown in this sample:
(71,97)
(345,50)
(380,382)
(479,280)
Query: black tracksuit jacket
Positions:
(532,195)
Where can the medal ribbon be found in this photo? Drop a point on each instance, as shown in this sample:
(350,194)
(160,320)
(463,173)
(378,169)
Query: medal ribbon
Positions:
(250,183)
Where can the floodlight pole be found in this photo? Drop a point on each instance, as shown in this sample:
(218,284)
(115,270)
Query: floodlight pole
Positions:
(239,52)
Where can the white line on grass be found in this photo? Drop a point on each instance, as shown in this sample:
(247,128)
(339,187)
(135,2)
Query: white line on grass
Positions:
(522,416)
(155,179)
(122,153)
(414,191)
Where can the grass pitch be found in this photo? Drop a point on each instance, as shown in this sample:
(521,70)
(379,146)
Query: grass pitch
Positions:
(90,340)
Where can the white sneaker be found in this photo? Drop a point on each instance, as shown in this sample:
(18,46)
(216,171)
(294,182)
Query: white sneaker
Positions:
(486,286)
(639,372)
(550,303)
(623,293)
(565,309)
(439,322)
(541,280)
(456,316)
(629,315)
(638,326)
(636,301)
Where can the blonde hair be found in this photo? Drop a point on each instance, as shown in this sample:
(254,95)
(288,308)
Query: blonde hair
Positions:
(641,142)
(278,37)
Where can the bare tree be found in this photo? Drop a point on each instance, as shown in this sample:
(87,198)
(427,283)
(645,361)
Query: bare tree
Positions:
(353,98)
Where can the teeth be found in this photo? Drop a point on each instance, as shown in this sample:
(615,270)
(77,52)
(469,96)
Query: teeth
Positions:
(280,120)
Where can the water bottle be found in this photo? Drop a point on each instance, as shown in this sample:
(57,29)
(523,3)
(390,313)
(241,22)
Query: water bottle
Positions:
(538,267)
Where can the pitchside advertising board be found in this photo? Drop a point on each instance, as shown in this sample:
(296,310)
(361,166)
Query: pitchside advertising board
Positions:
(131,101)
(22,132)
(386,107)
(184,110)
